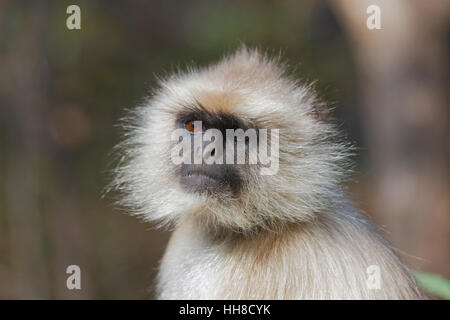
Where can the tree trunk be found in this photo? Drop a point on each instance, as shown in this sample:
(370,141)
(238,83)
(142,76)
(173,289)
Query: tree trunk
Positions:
(403,70)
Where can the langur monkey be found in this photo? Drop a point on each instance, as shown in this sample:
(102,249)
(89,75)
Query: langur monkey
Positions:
(239,233)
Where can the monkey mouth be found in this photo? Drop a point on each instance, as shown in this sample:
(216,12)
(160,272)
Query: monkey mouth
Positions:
(200,177)
(200,182)
(210,179)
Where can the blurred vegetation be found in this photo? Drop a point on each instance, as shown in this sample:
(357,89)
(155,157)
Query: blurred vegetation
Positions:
(434,284)
(62,93)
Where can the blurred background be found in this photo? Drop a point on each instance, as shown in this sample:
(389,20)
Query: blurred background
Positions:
(63,91)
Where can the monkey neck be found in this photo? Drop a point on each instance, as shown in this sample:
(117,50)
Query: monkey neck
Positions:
(325,258)
(217,234)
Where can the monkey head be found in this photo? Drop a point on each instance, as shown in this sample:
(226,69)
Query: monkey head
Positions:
(266,112)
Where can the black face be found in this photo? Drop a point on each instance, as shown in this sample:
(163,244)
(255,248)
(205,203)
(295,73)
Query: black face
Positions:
(212,179)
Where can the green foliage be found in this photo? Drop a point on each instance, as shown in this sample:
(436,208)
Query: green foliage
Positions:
(434,284)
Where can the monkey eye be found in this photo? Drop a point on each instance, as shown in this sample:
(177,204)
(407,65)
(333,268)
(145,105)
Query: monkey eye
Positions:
(191,127)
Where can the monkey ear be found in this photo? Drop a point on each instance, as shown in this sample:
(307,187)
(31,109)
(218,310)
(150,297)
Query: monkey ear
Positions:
(320,110)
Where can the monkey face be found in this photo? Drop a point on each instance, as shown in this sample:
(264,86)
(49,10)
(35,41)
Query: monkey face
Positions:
(244,92)
(212,174)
